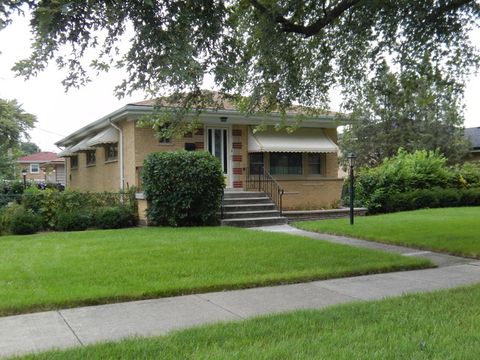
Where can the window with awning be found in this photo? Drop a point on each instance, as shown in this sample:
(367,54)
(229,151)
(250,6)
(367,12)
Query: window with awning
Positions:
(302,140)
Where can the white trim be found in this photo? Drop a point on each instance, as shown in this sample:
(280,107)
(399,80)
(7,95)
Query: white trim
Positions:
(38,167)
(229,173)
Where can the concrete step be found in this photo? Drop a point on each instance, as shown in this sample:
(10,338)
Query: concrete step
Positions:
(248,200)
(255,222)
(248,207)
(242,194)
(250,214)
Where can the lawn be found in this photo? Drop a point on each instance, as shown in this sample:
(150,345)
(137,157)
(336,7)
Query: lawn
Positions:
(451,230)
(442,325)
(58,270)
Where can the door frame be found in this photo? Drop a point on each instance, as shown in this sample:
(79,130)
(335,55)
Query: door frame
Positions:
(229,174)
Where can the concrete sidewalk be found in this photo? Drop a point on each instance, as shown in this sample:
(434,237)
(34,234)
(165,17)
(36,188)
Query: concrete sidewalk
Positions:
(438,259)
(75,327)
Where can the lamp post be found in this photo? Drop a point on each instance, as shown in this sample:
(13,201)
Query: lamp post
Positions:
(24,174)
(351,163)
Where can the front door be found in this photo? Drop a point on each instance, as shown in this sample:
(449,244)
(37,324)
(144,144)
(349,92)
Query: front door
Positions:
(218,145)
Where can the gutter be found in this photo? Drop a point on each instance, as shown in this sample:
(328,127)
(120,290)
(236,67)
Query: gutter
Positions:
(120,153)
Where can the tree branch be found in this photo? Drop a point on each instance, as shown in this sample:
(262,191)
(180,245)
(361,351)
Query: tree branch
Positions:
(455,4)
(334,13)
(308,30)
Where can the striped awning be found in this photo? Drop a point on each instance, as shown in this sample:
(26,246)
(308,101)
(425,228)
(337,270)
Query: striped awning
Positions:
(66,152)
(107,136)
(82,146)
(309,140)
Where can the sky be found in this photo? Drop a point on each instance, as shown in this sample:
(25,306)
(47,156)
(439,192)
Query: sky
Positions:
(59,113)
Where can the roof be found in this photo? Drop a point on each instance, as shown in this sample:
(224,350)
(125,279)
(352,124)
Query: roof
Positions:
(302,140)
(40,157)
(473,134)
(222,103)
(224,107)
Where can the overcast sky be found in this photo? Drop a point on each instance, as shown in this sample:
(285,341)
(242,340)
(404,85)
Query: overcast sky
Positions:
(59,113)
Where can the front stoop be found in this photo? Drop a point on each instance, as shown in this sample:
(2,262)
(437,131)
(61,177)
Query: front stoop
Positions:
(250,209)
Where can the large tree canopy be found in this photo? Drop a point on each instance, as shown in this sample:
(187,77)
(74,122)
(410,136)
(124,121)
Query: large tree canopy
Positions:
(277,52)
(413,110)
(14,126)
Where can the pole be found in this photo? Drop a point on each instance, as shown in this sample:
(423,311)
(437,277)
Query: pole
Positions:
(352,194)
(24,182)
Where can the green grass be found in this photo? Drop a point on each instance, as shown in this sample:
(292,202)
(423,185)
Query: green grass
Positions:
(442,325)
(58,270)
(451,230)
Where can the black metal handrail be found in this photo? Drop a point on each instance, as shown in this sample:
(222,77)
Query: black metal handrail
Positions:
(261,180)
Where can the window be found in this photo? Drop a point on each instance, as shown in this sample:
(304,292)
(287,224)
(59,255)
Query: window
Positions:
(256,163)
(111,152)
(163,139)
(286,164)
(34,168)
(315,164)
(74,162)
(91,157)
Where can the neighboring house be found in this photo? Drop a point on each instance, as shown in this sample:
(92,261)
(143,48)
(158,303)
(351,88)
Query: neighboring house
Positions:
(42,166)
(108,154)
(473,134)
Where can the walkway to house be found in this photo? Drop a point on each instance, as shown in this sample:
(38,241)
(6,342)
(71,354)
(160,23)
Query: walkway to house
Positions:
(73,327)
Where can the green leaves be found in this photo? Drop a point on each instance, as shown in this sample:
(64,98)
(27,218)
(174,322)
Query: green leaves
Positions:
(182,188)
(277,53)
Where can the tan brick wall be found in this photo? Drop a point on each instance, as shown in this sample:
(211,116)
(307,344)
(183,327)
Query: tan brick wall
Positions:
(142,211)
(31,176)
(103,176)
(146,143)
(311,194)
(239,155)
(129,143)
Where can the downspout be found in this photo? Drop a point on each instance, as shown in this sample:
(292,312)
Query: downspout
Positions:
(120,153)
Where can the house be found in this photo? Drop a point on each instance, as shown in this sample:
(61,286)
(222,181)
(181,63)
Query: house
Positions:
(43,166)
(108,154)
(473,135)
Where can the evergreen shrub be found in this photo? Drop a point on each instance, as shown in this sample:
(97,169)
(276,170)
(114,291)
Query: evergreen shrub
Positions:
(72,221)
(183,188)
(115,217)
(25,222)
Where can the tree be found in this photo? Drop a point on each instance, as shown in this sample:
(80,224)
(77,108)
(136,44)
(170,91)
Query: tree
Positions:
(28,148)
(410,110)
(277,52)
(14,126)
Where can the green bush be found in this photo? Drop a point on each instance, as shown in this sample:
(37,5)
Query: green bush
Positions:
(432,198)
(72,221)
(115,217)
(408,173)
(25,222)
(183,188)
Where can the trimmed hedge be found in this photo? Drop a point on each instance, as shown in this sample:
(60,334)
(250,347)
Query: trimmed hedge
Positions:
(431,198)
(183,188)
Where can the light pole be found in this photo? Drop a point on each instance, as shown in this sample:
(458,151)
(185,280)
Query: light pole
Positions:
(351,163)
(24,174)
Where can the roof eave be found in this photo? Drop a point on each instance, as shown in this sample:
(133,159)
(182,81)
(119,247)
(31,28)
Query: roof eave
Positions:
(139,110)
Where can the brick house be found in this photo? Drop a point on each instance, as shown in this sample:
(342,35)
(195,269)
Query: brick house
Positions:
(108,154)
(42,166)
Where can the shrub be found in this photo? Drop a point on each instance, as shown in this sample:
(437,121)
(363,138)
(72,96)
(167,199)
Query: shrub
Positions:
(183,188)
(115,217)
(25,222)
(432,198)
(72,221)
